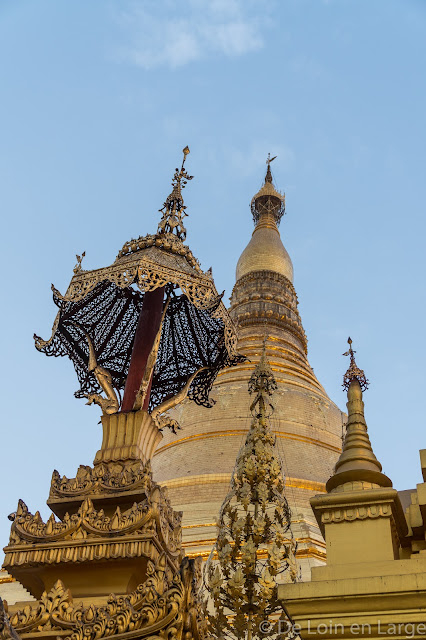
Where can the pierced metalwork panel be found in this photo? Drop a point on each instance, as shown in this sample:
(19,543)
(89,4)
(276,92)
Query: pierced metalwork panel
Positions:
(191,338)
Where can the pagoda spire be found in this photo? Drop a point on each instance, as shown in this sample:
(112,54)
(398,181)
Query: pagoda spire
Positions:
(357,462)
(268,177)
(358,495)
(173,209)
(265,251)
(255,543)
(268,201)
(151,315)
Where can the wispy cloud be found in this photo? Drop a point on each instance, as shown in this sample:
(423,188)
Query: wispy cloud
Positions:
(173,34)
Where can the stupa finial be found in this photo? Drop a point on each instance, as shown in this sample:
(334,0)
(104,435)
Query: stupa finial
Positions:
(173,210)
(268,177)
(268,200)
(354,372)
(357,462)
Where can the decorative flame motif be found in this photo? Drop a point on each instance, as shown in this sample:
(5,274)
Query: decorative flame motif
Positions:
(164,606)
(173,210)
(78,266)
(255,544)
(354,372)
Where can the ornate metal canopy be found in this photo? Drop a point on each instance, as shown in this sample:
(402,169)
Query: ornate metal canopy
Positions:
(98,317)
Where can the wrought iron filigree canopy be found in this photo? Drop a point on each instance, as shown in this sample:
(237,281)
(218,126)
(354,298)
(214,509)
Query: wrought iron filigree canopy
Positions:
(101,307)
(191,338)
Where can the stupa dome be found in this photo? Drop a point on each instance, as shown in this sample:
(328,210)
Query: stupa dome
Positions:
(265,251)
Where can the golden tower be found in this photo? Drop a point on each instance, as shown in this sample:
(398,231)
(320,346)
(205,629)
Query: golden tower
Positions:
(196,463)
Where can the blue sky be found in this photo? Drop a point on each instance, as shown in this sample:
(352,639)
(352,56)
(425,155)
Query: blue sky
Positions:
(97,101)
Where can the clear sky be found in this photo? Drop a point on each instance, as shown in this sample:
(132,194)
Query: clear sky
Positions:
(97,101)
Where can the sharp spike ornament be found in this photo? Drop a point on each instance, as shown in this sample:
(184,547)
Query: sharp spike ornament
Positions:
(173,209)
(255,548)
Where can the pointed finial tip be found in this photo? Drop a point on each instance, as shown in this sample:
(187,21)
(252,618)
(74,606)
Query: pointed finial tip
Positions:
(354,372)
(268,177)
(173,209)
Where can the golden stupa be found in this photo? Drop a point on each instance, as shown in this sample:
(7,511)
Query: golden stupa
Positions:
(196,463)
(312,540)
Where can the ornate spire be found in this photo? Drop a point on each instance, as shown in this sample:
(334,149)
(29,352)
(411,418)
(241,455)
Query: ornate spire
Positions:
(255,543)
(268,200)
(263,383)
(265,251)
(354,372)
(173,210)
(357,462)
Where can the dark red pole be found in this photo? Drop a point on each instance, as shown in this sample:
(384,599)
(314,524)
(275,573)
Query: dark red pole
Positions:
(146,331)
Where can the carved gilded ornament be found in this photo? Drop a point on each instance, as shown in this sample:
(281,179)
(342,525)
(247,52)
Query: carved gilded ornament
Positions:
(164,606)
(103,478)
(354,372)
(254,544)
(7,632)
(359,512)
(90,533)
(87,522)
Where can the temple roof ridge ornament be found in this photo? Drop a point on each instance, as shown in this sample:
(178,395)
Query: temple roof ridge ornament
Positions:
(268,200)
